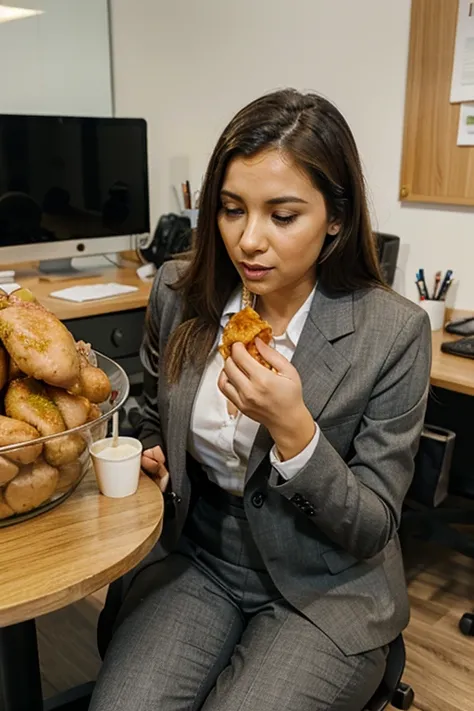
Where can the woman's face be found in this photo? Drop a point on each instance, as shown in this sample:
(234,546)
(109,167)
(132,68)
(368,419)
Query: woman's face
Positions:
(273,222)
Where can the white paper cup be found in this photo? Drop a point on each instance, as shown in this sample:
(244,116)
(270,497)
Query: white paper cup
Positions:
(116,478)
(436,311)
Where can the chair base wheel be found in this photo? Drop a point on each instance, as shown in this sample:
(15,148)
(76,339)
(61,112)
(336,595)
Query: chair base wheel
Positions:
(403,697)
(466,624)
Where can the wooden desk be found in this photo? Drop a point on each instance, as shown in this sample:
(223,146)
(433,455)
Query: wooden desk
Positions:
(67,310)
(449,371)
(60,557)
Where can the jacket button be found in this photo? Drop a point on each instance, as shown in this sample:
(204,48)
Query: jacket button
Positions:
(308,509)
(171,498)
(297,499)
(258,499)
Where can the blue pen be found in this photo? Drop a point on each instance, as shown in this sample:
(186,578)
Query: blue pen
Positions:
(443,293)
(444,284)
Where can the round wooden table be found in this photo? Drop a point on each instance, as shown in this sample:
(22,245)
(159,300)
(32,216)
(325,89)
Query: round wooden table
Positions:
(59,557)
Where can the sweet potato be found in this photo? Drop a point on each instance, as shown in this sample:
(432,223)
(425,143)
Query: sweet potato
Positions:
(92,383)
(69,474)
(5,509)
(39,343)
(94,412)
(26,400)
(14,431)
(73,408)
(33,486)
(8,470)
(14,371)
(4,367)
(64,450)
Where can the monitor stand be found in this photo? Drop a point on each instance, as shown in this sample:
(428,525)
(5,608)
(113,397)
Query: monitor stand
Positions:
(57,269)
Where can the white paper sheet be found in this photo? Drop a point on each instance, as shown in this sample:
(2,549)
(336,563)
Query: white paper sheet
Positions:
(466,125)
(462,84)
(10,286)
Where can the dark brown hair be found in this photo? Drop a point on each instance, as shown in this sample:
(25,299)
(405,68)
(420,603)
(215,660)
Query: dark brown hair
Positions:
(316,135)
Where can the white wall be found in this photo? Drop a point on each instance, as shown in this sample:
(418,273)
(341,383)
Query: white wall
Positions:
(188,65)
(57,62)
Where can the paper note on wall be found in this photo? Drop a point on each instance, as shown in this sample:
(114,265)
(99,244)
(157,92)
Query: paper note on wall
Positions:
(466,125)
(462,84)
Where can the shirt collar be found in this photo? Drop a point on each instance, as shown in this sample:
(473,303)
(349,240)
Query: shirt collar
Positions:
(296,325)
(294,328)
(232,307)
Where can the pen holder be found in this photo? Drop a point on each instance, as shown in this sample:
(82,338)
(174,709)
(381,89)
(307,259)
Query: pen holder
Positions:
(193,217)
(436,311)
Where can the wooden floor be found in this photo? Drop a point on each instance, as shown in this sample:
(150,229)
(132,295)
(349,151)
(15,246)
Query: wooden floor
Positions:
(440,661)
(67,645)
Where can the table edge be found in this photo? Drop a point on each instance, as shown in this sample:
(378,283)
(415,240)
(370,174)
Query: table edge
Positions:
(440,381)
(60,599)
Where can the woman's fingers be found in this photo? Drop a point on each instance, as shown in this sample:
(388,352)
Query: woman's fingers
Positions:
(228,389)
(273,358)
(163,482)
(238,377)
(151,466)
(155,453)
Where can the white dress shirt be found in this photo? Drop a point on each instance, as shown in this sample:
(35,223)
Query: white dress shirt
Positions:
(222,442)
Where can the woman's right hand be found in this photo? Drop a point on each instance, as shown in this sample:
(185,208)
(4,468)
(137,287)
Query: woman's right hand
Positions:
(153,464)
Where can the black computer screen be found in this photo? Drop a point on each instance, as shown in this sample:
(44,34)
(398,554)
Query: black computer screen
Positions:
(67,178)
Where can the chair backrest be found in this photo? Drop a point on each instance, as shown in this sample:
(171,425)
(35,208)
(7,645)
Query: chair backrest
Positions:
(388,248)
(392,677)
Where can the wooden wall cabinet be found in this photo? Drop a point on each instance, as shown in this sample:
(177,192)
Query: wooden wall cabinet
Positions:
(434,168)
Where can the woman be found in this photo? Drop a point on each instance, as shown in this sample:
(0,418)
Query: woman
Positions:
(279,581)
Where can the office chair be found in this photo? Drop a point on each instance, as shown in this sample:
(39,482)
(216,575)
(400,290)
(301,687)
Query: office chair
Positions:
(392,690)
(466,624)
(388,247)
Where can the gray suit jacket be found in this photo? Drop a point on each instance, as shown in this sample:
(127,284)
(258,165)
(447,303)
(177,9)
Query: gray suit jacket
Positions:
(329,535)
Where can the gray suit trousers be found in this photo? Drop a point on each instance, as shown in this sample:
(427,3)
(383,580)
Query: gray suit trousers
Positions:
(207,629)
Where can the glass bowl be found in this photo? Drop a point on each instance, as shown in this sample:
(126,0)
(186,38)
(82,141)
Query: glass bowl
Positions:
(41,489)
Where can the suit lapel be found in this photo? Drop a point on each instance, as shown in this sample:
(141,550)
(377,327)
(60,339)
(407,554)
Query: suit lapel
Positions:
(320,365)
(182,396)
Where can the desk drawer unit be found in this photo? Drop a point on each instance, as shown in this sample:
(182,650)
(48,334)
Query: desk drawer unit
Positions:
(117,335)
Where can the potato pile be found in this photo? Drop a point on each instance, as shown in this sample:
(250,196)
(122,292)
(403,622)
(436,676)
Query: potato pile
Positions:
(48,386)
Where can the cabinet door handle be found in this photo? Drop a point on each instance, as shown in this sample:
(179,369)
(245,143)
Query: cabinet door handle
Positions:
(117,336)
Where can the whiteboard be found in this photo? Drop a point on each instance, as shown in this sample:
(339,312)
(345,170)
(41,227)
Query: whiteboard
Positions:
(57,62)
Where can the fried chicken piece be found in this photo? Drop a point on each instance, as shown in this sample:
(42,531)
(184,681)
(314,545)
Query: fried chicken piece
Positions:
(244,327)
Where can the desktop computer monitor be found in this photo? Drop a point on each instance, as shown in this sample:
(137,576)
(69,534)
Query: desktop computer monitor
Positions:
(71,187)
